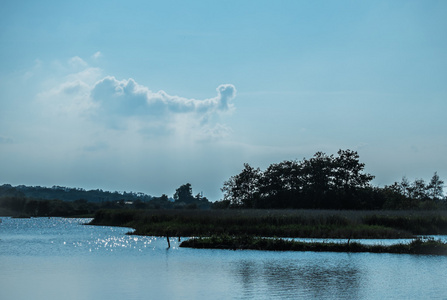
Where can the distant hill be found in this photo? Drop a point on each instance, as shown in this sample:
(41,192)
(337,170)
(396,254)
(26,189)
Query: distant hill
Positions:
(70,194)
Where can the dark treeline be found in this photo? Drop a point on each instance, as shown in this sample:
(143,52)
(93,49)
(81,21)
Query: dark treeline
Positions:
(70,194)
(17,206)
(36,201)
(326,182)
(64,202)
(20,206)
(321,182)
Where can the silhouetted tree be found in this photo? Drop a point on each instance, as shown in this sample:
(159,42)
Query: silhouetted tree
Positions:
(405,187)
(435,187)
(418,190)
(350,181)
(323,181)
(243,189)
(184,194)
(348,171)
(318,173)
(280,185)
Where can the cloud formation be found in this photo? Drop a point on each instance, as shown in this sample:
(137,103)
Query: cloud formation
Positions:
(126,97)
(77,62)
(127,105)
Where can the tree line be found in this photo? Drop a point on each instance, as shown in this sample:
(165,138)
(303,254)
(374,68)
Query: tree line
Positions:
(70,194)
(64,202)
(326,182)
(321,182)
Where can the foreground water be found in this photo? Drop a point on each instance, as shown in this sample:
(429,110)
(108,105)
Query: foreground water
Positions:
(58,258)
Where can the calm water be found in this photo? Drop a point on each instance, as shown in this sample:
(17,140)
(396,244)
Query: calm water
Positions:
(59,259)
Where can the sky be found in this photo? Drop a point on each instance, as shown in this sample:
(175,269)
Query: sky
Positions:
(145,96)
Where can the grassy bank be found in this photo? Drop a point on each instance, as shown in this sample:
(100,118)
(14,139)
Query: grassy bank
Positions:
(418,246)
(277,223)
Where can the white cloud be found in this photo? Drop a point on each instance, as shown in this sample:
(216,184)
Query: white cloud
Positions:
(68,98)
(127,97)
(97,55)
(87,75)
(127,105)
(77,62)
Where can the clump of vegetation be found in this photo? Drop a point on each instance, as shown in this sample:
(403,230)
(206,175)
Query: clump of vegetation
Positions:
(244,242)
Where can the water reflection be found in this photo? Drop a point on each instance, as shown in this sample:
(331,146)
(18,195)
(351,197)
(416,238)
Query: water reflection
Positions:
(318,277)
(249,274)
(341,280)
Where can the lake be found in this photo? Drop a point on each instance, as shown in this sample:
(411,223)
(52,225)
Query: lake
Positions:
(58,258)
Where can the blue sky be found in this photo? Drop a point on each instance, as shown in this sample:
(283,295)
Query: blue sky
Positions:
(148,95)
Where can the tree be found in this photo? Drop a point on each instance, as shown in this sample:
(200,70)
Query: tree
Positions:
(434,188)
(317,172)
(323,181)
(280,185)
(405,187)
(418,190)
(348,171)
(350,181)
(243,189)
(397,196)
(184,194)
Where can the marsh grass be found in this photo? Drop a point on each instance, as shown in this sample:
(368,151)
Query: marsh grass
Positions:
(277,223)
(415,224)
(246,242)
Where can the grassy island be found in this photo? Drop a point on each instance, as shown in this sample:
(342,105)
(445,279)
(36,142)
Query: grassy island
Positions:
(418,246)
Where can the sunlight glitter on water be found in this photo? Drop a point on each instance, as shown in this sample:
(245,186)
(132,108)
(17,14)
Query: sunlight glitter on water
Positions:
(57,235)
(123,242)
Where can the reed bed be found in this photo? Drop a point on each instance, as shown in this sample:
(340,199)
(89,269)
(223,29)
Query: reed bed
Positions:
(277,223)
